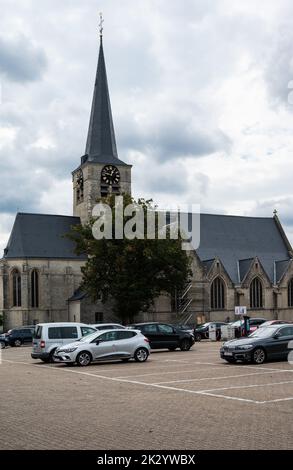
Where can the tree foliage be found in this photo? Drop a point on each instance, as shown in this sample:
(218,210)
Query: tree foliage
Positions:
(130,273)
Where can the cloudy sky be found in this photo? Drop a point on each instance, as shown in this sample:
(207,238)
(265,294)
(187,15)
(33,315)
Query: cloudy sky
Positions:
(199,92)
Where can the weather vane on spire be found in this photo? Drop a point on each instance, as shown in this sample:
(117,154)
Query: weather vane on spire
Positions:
(101,25)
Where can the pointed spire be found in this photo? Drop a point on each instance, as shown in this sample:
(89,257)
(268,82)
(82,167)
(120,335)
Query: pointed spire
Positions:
(101,142)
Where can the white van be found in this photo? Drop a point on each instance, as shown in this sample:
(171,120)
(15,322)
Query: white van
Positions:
(50,336)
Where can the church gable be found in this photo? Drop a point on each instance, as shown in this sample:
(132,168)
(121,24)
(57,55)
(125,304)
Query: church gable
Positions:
(217,269)
(256,271)
(232,238)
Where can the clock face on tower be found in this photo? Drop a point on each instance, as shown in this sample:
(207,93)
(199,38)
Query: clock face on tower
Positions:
(110,175)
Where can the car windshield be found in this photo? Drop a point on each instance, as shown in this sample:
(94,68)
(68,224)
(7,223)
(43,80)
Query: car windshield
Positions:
(263,333)
(90,338)
(266,323)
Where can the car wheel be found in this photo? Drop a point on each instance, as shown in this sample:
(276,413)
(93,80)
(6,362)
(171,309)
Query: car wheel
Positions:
(46,361)
(51,358)
(17,343)
(197,337)
(185,345)
(2,345)
(84,359)
(259,356)
(141,355)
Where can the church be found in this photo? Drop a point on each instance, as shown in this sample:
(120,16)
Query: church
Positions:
(241,261)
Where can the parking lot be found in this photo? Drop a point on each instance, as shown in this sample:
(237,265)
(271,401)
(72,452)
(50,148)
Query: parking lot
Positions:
(176,400)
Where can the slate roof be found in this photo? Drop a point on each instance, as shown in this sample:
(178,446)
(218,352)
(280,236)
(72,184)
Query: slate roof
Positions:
(101,143)
(208,264)
(41,236)
(281,268)
(244,267)
(233,238)
(236,241)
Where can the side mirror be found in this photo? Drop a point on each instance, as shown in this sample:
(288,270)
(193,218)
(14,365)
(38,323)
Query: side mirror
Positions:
(98,342)
(276,335)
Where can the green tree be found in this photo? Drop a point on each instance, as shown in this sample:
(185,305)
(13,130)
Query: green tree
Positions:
(130,273)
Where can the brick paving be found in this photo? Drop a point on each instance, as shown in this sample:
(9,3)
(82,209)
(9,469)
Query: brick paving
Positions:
(176,400)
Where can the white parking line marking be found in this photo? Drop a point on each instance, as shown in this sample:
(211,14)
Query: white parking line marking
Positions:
(277,400)
(217,378)
(247,386)
(163,373)
(231,398)
(113,369)
(221,364)
(165,387)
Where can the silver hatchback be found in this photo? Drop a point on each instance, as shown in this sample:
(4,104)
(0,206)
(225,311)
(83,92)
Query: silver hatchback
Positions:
(119,344)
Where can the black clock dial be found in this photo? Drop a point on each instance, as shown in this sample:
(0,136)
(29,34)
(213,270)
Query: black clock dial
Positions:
(110,175)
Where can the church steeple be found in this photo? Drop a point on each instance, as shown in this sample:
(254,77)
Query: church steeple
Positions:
(101,172)
(101,142)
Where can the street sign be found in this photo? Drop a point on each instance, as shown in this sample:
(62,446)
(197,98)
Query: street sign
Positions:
(240,310)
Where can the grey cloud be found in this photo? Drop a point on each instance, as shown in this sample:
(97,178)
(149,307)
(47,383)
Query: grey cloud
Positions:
(284,206)
(175,138)
(21,60)
(278,69)
(162,182)
(166,65)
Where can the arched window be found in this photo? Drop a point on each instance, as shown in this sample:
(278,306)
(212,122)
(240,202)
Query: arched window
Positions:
(256,294)
(290,293)
(16,288)
(218,294)
(35,289)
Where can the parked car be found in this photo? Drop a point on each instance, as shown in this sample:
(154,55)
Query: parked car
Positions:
(20,336)
(254,324)
(107,326)
(106,345)
(162,335)
(187,328)
(264,344)
(274,322)
(202,331)
(50,336)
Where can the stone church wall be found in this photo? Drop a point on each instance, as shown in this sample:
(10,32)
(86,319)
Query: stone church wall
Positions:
(58,279)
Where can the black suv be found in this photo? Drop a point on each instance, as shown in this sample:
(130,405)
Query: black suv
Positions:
(19,336)
(162,335)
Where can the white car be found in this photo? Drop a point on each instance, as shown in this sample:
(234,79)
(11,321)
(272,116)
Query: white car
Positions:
(50,336)
(119,344)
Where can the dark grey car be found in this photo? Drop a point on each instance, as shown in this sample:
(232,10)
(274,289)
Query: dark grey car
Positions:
(264,344)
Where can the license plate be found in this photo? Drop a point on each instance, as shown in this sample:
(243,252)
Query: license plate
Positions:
(227,353)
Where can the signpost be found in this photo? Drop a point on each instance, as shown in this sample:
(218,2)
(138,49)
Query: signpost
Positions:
(240,310)
(244,324)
